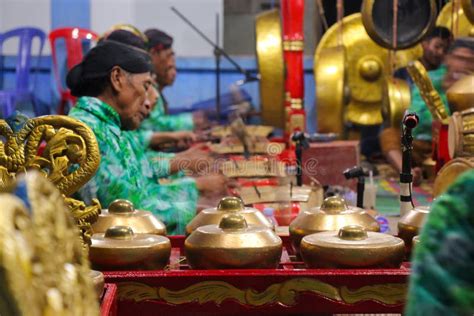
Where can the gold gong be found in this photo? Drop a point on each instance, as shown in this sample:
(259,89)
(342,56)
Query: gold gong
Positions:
(329,71)
(367,64)
(397,99)
(468,8)
(415,19)
(461,25)
(271,67)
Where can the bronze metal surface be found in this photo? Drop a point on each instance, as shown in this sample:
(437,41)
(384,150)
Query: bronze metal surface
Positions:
(308,196)
(462,26)
(254,168)
(410,225)
(397,99)
(468,8)
(333,214)
(228,205)
(367,65)
(461,94)
(450,172)
(233,245)
(461,134)
(254,130)
(330,76)
(352,247)
(416,240)
(120,249)
(123,213)
(271,67)
(98,281)
(415,20)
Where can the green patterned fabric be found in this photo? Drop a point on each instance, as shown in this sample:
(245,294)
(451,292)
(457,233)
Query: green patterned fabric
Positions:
(128,171)
(442,280)
(423,130)
(158,121)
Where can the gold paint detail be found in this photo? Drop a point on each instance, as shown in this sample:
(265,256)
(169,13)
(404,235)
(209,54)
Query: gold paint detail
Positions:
(285,293)
(296,103)
(429,94)
(69,159)
(293,46)
(42,260)
(271,67)
(389,294)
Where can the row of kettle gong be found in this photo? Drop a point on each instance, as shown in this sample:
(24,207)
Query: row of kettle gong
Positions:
(232,236)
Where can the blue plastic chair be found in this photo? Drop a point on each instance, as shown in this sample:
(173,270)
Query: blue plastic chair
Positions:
(23,91)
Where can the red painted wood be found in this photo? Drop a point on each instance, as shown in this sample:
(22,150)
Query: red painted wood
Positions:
(108,303)
(180,277)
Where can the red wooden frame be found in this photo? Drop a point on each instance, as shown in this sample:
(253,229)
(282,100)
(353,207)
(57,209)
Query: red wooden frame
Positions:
(291,289)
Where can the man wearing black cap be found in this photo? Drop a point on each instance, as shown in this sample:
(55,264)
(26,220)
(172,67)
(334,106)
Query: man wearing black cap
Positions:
(114,85)
(163,60)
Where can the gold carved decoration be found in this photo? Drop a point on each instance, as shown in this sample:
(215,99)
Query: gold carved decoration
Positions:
(63,149)
(429,94)
(285,293)
(44,269)
(271,67)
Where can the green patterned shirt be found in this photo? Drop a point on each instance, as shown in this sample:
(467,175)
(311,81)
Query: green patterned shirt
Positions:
(442,280)
(158,121)
(127,171)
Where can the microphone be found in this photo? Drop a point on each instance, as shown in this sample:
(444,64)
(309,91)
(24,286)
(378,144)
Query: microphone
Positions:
(410,120)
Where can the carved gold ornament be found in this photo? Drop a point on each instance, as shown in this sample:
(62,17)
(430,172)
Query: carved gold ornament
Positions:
(429,94)
(285,293)
(43,267)
(61,148)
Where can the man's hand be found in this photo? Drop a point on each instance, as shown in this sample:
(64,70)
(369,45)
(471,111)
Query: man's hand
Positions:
(197,159)
(201,121)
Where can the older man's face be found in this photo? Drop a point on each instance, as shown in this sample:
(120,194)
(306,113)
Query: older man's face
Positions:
(161,62)
(136,98)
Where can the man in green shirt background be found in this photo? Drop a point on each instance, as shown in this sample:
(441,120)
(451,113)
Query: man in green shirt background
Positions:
(114,85)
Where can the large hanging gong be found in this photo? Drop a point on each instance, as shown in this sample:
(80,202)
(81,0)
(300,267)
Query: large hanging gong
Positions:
(459,22)
(415,18)
(468,7)
(367,63)
(271,67)
(329,73)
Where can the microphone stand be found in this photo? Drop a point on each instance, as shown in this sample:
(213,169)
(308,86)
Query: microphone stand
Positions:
(406,178)
(218,53)
(301,143)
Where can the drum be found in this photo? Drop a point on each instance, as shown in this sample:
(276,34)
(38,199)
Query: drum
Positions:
(461,134)
(450,172)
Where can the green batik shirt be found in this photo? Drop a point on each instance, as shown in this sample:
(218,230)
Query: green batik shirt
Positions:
(442,278)
(126,170)
(423,130)
(158,121)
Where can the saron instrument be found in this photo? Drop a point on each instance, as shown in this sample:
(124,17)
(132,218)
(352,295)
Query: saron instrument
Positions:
(352,247)
(333,214)
(233,244)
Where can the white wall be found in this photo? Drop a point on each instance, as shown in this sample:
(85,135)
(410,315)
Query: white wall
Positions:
(21,13)
(157,13)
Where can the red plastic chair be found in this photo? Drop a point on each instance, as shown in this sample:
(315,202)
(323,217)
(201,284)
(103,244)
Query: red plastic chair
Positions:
(74,38)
